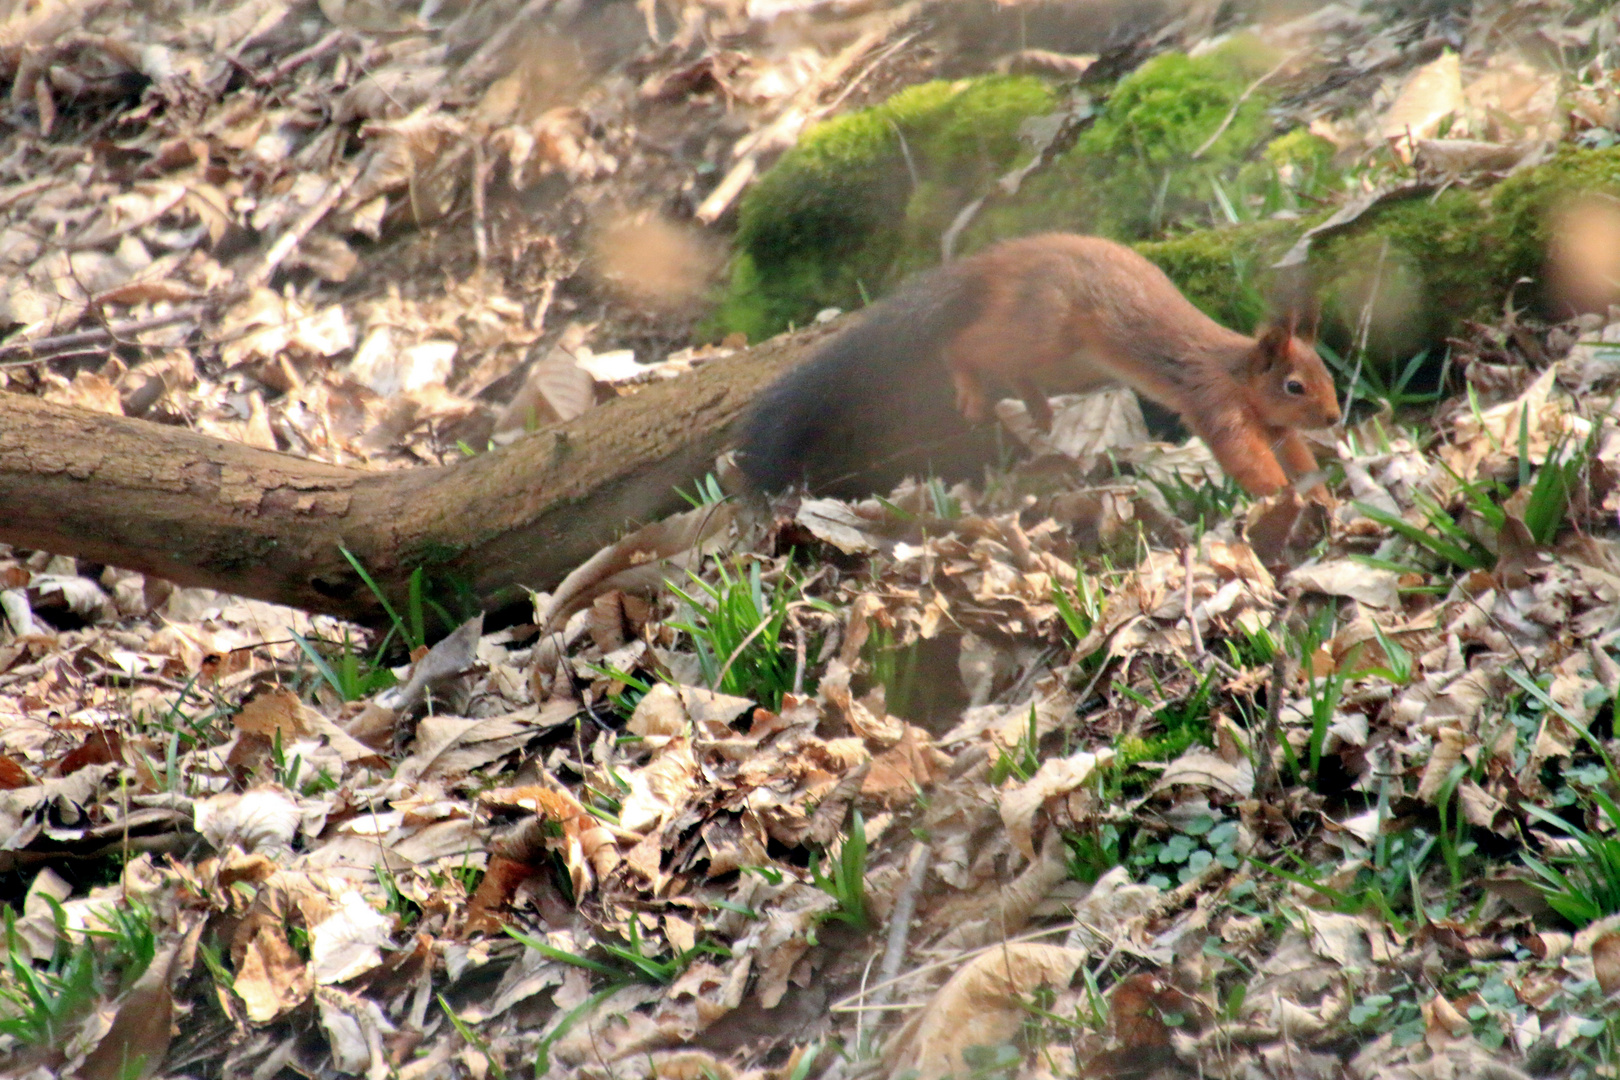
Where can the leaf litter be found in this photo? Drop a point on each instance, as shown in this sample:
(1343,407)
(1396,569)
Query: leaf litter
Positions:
(1056,783)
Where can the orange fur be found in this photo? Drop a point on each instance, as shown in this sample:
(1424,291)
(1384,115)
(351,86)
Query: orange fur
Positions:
(1062,312)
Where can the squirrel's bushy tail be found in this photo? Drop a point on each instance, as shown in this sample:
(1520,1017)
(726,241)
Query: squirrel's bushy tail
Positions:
(874,405)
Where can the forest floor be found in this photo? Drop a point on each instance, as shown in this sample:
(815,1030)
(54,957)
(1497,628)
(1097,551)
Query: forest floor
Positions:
(1098,768)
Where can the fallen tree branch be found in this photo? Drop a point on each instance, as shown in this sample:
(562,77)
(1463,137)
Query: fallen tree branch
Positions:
(198,510)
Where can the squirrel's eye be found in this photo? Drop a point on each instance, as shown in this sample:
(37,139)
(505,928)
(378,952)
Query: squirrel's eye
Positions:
(1295,387)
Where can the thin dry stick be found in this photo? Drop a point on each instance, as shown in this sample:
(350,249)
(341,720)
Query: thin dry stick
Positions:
(860,1018)
(860,76)
(800,648)
(1192,623)
(287,241)
(46,347)
(749,149)
(480,177)
(905,906)
(485,64)
(1085,695)
(1231,114)
(1364,323)
(299,59)
(1265,769)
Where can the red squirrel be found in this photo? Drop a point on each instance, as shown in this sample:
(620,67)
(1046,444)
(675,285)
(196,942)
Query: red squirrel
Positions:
(901,390)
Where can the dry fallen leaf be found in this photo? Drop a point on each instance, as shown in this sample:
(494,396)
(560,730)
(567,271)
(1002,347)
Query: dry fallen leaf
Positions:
(979,1006)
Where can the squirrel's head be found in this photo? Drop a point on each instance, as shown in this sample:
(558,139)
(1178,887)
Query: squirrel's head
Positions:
(1290,384)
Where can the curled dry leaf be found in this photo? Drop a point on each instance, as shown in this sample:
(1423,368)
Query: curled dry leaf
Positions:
(1347,577)
(638,563)
(1431,94)
(555,389)
(981,1006)
(140,1030)
(277,711)
(448,660)
(1138,1007)
(1450,745)
(452,746)
(349,941)
(1202,768)
(270,978)
(1084,427)
(661,789)
(1057,777)
(865,717)
(836,523)
(1606,961)
(1468,155)
(262,819)
(355,1028)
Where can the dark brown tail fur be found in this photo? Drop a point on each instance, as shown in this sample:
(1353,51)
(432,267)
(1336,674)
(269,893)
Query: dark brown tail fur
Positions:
(874,405)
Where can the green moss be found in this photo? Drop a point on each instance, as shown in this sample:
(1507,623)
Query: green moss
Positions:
(863,198)
(1132,172)
(1135,164)
(1524,205)
(1410,271)
(1300,148)
(1416,268)
(1225,271)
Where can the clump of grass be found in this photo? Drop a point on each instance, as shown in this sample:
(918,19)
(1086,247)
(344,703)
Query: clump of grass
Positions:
(1203,503)
(40,1004)
(846,882)
(736,627)
(1581,885)
(1546,505)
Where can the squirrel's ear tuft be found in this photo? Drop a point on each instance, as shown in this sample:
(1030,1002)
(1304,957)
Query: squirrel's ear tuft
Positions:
(1308,322)
(1271,348)
(1302,320)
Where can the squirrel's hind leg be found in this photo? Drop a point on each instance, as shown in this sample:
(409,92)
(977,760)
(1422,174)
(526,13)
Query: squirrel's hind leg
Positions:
(1040,409)
(970,396)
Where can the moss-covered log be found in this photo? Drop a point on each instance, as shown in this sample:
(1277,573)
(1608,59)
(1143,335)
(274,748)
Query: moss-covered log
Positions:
(1416,265)
(865,197)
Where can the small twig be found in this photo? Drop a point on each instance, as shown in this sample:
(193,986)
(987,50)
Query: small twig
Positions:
(1231,114)
(485,63)
(298,59)
(287,241)
(1192,623)
(963,218)
(800,648)
(1265,769)
(108,674)
(1502,629)
(793,116)
(860,76)
(480,177)
(32,352)
(1085,695)
(1010,183)
(905,906)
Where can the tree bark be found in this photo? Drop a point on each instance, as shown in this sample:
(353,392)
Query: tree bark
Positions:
(198,510)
